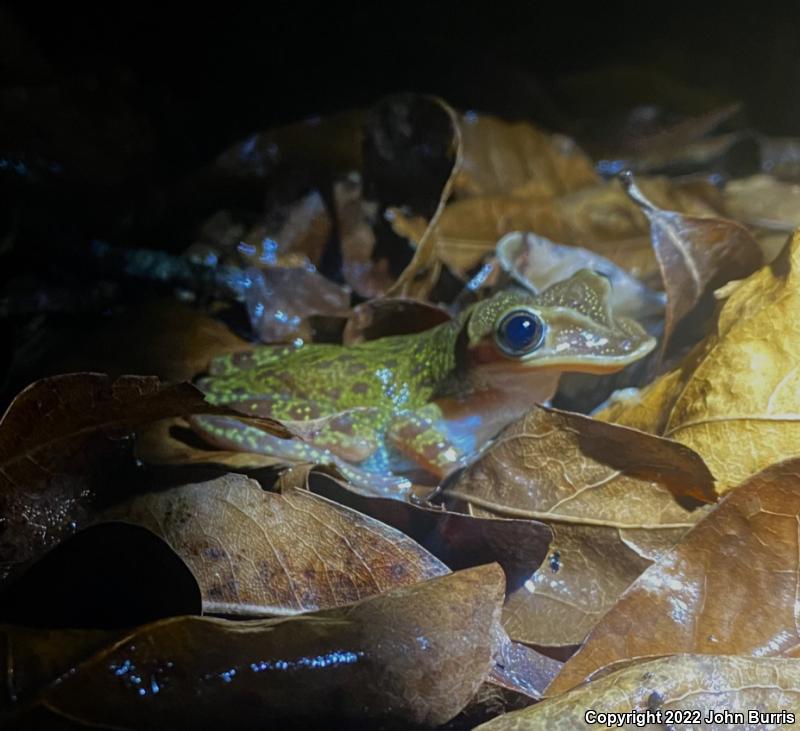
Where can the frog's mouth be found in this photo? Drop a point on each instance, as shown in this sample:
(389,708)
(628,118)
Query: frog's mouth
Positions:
(487,356)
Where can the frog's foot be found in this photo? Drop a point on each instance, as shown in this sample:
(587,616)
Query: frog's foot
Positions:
(228,432)
(420,438)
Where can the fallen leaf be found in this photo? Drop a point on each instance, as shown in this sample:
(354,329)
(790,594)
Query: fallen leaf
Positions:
(405,152)
(647,142)
(160,336)
(695,255)
(469,229)
(693,684)
(49,441)
(515,157)
(600,218)
(378,318)
(537,262)
(34,658)
(521,668)
(780,156)
(560,465)
(727,588)
(764,201)
(356,219)
(331,142)
(280,300)
(457,539)
(257,553)
(292,233)
(609,497)
(735,399)
(604,219)
(414,655)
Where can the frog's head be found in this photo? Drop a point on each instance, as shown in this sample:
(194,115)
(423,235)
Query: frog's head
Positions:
(567,327)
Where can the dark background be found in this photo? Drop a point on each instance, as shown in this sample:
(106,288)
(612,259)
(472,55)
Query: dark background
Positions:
(109,112)
(204,77)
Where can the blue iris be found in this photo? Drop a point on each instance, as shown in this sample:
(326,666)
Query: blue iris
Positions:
(520,332)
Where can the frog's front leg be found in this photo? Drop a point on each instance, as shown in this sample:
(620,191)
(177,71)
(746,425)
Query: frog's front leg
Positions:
(422,437)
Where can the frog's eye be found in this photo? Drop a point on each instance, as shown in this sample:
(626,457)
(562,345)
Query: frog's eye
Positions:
(519,332)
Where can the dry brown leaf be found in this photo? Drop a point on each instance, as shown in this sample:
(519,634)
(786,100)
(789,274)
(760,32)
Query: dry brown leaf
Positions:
(160,337)
(418,277)
(736,399)
(378,318)
(469,229)
(356,220)
(54,439)
(690,683)
(293,234)
(34,658)
(603,219)
(414,655)
(695,255)
(460,540)
(728,588)
(333,142)
(608,495)
(558,465)
(764,201)
(257,553)
(280,301)
(534,260)
(522,669)
(515,157)
(600,218)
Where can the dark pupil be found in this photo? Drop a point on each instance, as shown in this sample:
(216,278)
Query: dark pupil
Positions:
(521,332)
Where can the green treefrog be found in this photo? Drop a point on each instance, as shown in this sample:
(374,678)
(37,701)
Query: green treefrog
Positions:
(422,403)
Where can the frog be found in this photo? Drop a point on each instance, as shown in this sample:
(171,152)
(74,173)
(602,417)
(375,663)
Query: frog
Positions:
(407,408)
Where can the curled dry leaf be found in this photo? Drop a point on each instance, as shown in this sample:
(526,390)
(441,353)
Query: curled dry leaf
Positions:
(728,588)
(257,553)
(695,255)
(689,683)
(515,157)
(736,398)
(413,655)
(609,496)
(410,153)
(536,261)
(49,438)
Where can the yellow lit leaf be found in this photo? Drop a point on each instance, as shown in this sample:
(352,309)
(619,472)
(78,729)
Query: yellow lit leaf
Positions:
(736,398)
